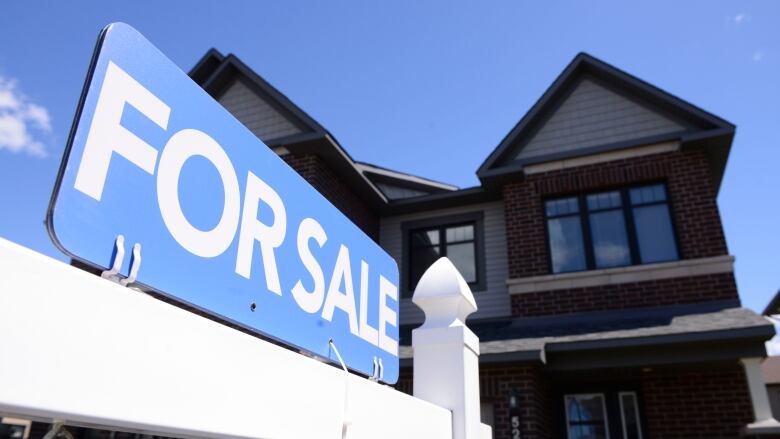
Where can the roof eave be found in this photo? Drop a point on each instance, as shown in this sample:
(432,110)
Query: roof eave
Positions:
(442,200)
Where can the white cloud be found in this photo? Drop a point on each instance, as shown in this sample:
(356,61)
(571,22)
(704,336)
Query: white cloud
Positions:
(741,18)
(21,121)
(39,116)
(758,55)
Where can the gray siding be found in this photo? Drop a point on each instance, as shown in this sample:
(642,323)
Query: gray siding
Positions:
(591,116)
(255,113)
(396,192)
(494,300)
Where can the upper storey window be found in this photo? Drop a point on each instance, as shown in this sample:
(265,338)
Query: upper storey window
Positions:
(610,229)
(455,242)
(458,237)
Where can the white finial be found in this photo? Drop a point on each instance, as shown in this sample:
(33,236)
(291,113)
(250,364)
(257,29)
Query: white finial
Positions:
(444,296)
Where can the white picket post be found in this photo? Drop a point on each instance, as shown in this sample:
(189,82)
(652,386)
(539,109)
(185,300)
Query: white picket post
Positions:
(446,352)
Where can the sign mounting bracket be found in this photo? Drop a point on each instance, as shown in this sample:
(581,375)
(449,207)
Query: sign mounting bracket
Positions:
(112,274)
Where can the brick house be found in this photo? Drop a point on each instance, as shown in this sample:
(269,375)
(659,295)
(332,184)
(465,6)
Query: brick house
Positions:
(593,244)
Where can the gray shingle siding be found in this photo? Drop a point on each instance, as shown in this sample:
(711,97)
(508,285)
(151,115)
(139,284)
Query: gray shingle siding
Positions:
(494,301)
(255,113)
(593,115)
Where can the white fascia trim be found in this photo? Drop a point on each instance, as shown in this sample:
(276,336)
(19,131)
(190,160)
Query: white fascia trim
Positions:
(401,176)
(355,165)
(601,157)
(620,275)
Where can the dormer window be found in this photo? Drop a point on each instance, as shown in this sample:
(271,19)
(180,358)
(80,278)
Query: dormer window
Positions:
(610,229)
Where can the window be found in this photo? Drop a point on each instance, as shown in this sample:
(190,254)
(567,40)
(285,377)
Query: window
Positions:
(629,415)
(586,416)
(602,415)
(458,238)
(455,242)
(565,235)
(610,229)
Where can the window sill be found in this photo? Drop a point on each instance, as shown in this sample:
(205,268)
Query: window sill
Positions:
(620,275)
(765,427)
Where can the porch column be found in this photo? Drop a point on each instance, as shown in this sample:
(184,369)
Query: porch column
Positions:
(764,421)
(446,352)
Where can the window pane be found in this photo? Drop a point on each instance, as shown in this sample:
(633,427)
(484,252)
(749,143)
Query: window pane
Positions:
(586,417)
(610,241)
(604,200)
(566,248)
(461,233)
(463,257)
(648,194)
(563,206)
(630,416)
(585,408)
(425,237)
(421,259)
(654,233)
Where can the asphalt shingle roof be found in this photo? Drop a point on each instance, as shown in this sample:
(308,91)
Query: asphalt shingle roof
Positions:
(530,335)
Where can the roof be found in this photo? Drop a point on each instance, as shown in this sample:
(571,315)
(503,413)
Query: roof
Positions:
(215,71)
(773,307)
(711,131)
(535,338)
(369,168)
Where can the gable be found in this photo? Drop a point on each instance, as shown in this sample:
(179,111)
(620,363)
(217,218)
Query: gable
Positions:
(593,115)
(396,185)
(393,192)
(279,123)
(265,120)
(593,107)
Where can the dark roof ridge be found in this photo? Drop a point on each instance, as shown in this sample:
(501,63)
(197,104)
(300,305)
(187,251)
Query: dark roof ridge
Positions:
(584,63)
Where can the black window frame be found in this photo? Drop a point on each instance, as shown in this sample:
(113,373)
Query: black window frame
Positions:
(628,218)
(578,385)
(408,227)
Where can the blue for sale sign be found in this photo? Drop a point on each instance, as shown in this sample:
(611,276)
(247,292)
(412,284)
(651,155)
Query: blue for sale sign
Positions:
(224,224)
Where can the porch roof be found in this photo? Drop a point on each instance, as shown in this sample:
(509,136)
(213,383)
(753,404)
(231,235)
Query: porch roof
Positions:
(534,338)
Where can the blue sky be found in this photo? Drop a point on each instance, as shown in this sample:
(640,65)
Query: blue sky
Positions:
(425,87)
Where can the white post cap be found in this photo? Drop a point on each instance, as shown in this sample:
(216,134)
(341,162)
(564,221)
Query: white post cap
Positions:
(444,296)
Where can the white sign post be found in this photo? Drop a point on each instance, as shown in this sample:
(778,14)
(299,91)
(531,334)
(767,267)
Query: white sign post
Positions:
(446,352)
(87,351)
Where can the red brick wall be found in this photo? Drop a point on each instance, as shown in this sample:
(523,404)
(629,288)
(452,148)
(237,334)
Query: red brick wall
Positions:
(690,188)
(696,217)
(712,403)
(496,382)
(328,183)
(625,296)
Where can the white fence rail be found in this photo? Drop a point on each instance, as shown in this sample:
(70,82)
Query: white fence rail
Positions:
(87,351)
